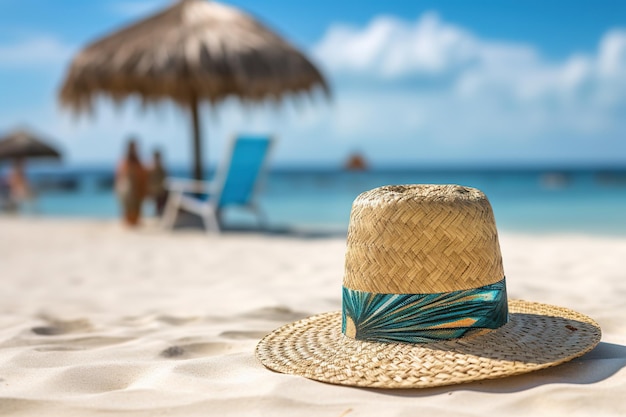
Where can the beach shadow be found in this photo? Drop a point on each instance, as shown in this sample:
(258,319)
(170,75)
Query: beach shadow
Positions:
(286,231)
(605,360)
(190,221)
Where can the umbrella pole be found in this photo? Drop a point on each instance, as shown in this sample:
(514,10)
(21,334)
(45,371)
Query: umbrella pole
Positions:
(197,145)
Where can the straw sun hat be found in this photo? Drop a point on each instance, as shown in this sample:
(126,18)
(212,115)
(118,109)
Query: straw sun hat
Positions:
(424,302)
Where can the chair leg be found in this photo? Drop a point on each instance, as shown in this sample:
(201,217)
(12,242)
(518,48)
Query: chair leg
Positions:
(211,220)
(171,210)
(261,217)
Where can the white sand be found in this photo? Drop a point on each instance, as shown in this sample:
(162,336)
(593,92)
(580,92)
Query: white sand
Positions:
(98,321)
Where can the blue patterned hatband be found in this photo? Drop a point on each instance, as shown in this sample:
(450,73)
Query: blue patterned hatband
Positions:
(422,318)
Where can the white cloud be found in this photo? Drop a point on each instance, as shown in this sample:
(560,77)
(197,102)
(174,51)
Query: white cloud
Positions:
(438,82)
(37,50)
(612,55)
(390,47)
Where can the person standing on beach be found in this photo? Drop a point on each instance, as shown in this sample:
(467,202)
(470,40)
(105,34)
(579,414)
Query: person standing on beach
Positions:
(156,182)
(131,184)
(19,188)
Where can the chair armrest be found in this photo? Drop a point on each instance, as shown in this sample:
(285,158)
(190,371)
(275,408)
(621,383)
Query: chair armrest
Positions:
(184,185)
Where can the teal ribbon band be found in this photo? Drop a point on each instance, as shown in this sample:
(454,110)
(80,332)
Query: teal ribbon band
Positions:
(423,318)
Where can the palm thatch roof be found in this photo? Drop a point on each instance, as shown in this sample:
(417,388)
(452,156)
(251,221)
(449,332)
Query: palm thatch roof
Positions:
(194,50)
(24,144)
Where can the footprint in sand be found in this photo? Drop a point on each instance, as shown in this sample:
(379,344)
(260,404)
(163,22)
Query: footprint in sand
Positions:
(278,313)
(239,335)
(195,350)
(82,336)
(58,327)
(177,321)
(97,378)
(83,343)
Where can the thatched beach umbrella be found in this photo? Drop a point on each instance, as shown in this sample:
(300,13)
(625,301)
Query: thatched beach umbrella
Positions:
(191,52)
(21,144)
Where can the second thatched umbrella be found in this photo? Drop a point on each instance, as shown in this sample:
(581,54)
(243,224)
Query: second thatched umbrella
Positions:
(22,144)
(191,52)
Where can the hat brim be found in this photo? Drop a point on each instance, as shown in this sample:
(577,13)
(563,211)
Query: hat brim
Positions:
(537,336)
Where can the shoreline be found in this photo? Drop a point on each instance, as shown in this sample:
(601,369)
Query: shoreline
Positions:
(330,230)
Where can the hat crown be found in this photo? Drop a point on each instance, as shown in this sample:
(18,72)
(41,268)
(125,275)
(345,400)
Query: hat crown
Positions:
(422,239)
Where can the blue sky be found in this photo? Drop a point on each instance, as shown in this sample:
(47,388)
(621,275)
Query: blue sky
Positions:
(415,83)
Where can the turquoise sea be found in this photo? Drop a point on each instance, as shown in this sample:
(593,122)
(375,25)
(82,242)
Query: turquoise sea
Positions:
(530,200)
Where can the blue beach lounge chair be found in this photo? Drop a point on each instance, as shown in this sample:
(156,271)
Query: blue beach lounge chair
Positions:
(235,184)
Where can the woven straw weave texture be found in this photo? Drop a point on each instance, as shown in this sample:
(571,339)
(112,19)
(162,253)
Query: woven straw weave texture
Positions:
(422,239)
